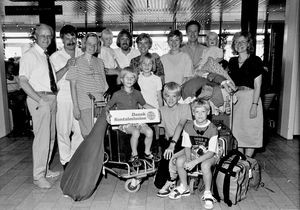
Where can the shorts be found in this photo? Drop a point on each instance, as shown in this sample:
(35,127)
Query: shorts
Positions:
(136,125)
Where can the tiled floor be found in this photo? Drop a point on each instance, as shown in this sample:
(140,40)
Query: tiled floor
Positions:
(280,173)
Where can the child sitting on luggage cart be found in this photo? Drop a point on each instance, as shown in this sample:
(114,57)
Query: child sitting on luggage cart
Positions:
(130,98)
(200,142)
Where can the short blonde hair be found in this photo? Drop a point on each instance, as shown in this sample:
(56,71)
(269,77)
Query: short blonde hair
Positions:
(85,38)
(172,87)
(106,32)
(200,103)
(128,70)
(211,34)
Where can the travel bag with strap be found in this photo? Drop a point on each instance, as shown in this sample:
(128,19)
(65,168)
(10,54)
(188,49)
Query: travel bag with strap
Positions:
(231,178)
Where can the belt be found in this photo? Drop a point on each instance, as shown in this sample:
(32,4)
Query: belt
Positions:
(46,93)
(244,88)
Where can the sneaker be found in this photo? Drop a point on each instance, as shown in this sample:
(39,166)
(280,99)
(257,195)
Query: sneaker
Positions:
(42,183)
(179,191)
(166,189)
(135,161)
(52,174)
(208,200)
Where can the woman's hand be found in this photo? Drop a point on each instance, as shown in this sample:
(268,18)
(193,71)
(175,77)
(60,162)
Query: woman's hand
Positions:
(169,152)
(76,113)
(253,111)
(108,117)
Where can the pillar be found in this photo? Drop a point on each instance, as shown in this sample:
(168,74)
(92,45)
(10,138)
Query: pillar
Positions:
(288,122)
(47,16)
(249,18)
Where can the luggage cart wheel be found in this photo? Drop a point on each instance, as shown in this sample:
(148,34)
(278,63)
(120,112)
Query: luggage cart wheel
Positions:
(132,185)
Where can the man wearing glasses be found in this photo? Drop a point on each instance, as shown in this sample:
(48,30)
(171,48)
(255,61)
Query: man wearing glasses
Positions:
(37,79)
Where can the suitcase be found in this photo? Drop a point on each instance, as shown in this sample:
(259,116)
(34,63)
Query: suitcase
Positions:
(231,178)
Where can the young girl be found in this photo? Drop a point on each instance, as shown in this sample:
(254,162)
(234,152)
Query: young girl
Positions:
(149,83)
(130,98)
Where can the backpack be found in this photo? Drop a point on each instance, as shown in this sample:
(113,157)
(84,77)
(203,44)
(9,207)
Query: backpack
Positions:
(225,134)
(231,178)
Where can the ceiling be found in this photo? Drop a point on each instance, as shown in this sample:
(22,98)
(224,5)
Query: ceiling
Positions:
(145,14)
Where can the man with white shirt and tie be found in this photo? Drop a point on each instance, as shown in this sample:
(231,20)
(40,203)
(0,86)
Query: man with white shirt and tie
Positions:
(37,79)
(65,121)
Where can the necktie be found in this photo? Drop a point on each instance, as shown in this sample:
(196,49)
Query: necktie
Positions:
(51,76)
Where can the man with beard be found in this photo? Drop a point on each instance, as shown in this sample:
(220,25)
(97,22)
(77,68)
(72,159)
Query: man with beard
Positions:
(65,121)
(193,48)
(125,52)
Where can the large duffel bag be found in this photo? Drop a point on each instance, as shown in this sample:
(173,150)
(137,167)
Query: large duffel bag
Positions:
(231,178)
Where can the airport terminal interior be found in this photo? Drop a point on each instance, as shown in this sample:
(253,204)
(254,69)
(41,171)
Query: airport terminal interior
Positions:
(275,26)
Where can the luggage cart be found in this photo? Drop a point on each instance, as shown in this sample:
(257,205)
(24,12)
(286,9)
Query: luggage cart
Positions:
(117,165)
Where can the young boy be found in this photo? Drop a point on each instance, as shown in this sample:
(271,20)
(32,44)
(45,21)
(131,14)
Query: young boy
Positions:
(129,98)
(200,142)
(173,119)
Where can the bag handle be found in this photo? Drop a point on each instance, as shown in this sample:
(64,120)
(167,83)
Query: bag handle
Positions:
(227,177)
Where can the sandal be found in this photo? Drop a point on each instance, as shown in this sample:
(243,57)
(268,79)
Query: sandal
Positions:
(208,200)
(152,157)
(135,161)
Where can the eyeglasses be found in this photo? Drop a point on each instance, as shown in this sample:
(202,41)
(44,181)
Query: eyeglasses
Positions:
(241,42)
(45,36)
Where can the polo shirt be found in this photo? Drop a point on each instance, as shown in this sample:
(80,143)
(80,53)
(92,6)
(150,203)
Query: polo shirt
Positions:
(90,78)
(123,100)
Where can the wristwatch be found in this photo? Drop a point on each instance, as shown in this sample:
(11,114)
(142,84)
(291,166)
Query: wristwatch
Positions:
(173,141)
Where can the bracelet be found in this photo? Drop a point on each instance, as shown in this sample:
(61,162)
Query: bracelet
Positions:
(255,104)
(173,141)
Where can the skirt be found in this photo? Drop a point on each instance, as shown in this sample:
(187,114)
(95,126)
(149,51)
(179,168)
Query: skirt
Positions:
(248,132)
(82,175)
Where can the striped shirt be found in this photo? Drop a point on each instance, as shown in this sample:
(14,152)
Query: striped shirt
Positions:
(90,78)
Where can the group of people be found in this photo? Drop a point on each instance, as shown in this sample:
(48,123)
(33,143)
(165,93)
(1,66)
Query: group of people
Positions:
(58,89)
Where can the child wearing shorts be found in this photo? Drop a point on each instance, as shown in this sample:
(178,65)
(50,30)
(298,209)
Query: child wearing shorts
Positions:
(200,142)
(130,98)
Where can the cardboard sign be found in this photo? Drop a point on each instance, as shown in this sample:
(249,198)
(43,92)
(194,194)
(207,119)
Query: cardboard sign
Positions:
(120,117)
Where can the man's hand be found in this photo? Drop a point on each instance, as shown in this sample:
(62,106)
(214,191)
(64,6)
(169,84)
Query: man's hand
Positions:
(71,62)
(42,102)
